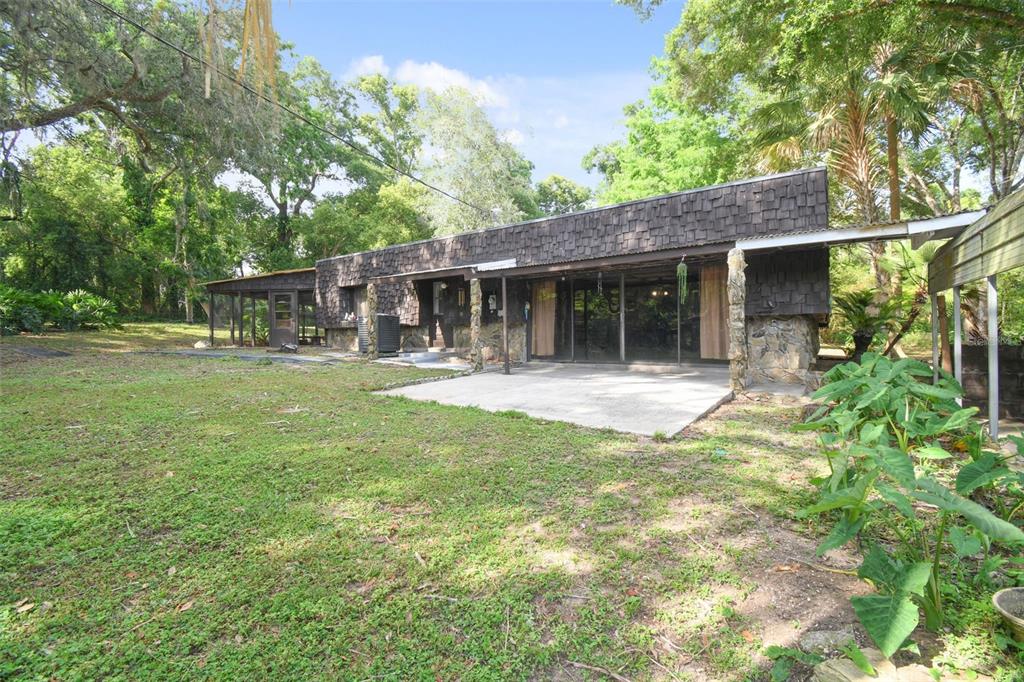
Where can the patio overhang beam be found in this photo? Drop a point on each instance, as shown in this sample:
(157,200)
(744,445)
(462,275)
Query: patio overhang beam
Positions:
(440,273)
(650,258)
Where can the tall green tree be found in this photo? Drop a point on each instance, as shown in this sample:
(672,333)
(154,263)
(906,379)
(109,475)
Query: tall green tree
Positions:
(292,157)
(557,195)
(468,158)
(669,146)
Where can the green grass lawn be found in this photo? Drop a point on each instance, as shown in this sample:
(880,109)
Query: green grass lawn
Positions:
(174,517)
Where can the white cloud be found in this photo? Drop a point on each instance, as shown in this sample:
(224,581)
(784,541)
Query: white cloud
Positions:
(554,121)
(365,66)
(439,78)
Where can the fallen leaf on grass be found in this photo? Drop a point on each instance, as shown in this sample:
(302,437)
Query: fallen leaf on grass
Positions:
(747,635)
(27,606)
(185,606)
(786,568)
(172,570)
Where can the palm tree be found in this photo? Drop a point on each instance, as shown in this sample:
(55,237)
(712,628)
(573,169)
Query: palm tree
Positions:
(901,103)
(865,316)
(837,120)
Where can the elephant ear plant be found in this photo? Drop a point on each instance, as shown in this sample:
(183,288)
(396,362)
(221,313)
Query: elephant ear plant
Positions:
(890,440)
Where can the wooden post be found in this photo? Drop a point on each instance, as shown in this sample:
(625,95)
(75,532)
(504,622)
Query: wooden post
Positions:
(993,358)
(572,319)
(210,316)
(252,322)
(679,320)
(622,317)
(241,320)
(504,323)
(958,343)
(231,315)
(935,339)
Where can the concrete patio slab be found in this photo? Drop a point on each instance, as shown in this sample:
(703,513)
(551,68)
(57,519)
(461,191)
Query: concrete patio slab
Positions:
(644,400)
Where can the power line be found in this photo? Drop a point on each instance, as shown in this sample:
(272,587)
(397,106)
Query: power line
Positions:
(273,102)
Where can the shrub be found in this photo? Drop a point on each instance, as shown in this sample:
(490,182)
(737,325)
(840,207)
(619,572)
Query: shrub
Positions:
(82,310)
(865,318)
(888,437)
(25,311)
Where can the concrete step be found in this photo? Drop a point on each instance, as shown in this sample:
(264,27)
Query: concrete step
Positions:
(419,357)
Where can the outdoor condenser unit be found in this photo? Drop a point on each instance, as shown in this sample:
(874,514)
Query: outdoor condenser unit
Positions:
(389,336)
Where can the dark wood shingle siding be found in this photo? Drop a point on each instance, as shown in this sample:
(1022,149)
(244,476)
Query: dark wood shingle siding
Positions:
(766,206)
(788,283)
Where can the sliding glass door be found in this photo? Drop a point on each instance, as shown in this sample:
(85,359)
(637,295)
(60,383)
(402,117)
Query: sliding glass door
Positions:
(581,318)
(596,319)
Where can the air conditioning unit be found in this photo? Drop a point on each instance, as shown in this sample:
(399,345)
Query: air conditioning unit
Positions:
(389,334)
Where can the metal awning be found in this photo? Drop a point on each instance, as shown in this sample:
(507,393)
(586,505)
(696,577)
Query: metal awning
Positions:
(918,231)
(993,244)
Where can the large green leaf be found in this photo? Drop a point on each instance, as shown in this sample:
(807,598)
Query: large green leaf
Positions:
(896,463)
(835,389)
(965,544)
(932,452)
(888,619)
(871,432)
(847,497)
(959,419)
(893,576)
(929,391)
(933,492)
(874,392)
(842,532)
(980,472)
(896,498)
(879,568)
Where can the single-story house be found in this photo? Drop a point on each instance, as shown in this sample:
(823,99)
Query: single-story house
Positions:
(734,273)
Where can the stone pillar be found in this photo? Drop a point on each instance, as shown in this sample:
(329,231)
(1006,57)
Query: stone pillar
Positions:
(371,321)
(476,305)
(737,291)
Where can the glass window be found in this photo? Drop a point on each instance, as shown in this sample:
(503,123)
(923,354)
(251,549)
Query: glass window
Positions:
(283,311)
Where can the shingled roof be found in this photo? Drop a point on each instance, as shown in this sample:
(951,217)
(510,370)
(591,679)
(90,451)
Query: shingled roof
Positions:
(721,214)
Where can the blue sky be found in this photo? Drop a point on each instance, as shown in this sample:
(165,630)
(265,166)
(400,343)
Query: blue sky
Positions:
(553,75)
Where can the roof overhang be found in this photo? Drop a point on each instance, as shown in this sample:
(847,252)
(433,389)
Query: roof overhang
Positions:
(919,231)
(510,268)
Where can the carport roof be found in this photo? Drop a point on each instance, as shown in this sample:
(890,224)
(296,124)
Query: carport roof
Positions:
(296,278)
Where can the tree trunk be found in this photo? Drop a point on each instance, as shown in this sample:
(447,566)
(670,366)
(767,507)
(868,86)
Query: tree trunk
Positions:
(892,150)
(284,233)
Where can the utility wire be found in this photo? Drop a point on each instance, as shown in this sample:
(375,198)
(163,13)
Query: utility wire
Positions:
(273,102)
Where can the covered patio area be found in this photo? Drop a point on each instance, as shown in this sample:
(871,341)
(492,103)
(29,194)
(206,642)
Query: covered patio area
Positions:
(266,310)
(647,400)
